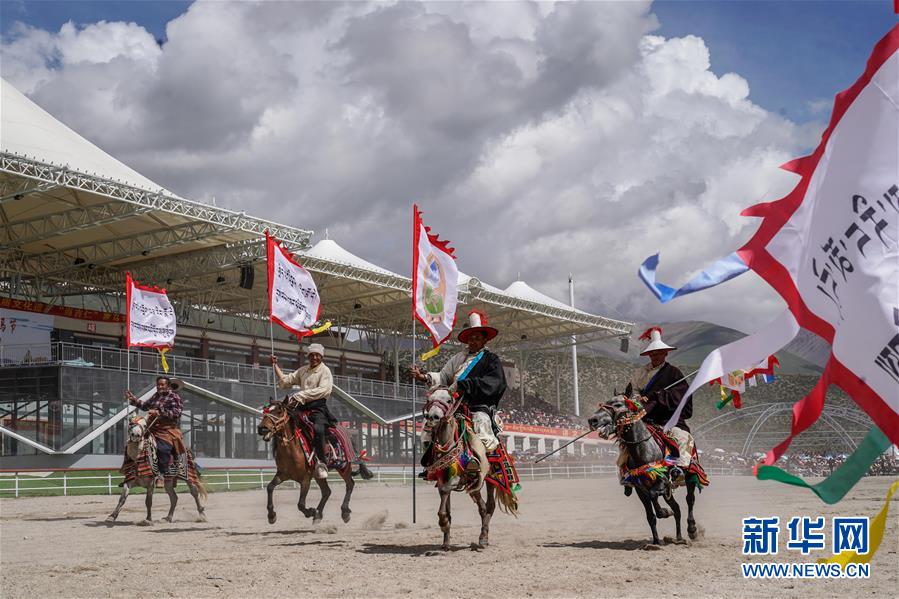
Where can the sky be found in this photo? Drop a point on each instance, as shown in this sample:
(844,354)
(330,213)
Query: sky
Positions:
(541,139)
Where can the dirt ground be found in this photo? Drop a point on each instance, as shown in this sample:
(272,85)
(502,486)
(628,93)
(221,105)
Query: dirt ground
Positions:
(573,538)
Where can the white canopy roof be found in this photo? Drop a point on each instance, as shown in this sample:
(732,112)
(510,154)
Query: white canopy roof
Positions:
(30,131)
(73,219)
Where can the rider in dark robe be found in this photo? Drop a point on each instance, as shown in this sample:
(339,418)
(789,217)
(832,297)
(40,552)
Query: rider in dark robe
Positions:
(662,386)
(476,375)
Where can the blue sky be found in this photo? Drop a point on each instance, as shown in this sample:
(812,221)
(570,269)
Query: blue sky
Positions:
(793,53)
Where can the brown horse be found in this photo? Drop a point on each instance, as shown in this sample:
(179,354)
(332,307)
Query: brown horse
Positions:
(140,474)
(451,437)
(291,463)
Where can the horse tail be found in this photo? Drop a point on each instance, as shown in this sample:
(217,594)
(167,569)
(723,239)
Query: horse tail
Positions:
(363,471)
(508,502)
(201,487)
(195,477)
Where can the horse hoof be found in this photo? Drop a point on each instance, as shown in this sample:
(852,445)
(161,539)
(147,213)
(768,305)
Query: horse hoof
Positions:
(272,517)
(681,541)
(651,547)
(345,516)
(445,547)
(483,542)
(145,523)
(692,534)
(201,517)
(477,547)
(316,520)
(664,513)
(168,519)
(110,520)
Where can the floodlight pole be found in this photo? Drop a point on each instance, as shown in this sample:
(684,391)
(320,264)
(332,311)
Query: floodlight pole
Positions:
(577,403)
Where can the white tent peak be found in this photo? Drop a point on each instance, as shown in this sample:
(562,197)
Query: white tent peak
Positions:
(522,290)
(328,249)
(32,132)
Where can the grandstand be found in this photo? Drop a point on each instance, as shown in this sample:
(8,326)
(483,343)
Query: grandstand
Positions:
(74,220)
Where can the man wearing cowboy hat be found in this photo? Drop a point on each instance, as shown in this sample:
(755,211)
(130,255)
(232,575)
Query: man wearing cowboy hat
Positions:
(662,386)
(476,375)
(315,384)
(164,411)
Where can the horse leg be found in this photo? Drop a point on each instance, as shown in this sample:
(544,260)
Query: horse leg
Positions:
(301,504)
(270,489)
(345,510)
(126,489)
(650,515)
(443,517)
(326,493)
(201,509)
(661,512)
(675,508)
(173,498)
(485,509)
(691,499)
(151,486)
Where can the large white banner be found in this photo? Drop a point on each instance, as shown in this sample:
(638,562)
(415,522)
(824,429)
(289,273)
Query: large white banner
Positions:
(24,336)
(293,297)
(435,281)
(840,247)
(150,316)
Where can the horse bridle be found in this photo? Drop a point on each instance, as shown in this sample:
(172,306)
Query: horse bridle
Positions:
(620,426)
(279,423)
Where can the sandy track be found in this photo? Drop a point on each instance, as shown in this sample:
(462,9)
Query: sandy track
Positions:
(574,538)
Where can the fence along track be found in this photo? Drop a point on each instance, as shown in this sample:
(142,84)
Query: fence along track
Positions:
(15,483)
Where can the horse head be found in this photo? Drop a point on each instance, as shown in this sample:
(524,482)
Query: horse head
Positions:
(437,407)
(274,418)
(137,429)
(605,419)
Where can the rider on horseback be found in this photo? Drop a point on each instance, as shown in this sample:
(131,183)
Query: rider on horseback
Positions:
(315,384)
(659,401)
(164,410)
(476,375)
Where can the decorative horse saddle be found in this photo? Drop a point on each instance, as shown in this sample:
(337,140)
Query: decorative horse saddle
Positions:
(339,450)
(650,472)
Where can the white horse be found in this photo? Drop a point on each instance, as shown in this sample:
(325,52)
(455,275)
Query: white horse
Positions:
(448,444)
(138,438)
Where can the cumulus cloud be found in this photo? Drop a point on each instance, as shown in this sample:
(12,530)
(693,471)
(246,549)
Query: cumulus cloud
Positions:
(541,138)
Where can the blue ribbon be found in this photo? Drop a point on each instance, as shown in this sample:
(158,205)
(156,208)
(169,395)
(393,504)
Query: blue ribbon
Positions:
(723,270)
(471,365)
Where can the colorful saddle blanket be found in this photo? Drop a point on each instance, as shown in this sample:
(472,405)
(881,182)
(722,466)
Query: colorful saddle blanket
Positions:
(339,449)
(146,466)
(650,472)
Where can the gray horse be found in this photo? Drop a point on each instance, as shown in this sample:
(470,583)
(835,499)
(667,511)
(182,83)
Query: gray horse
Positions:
(616,418)
(134,449)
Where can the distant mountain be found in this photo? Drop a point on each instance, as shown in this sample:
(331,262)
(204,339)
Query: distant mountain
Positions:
(696,339)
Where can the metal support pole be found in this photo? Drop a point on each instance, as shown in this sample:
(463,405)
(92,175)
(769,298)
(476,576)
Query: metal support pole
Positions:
(577,402)
(414,431)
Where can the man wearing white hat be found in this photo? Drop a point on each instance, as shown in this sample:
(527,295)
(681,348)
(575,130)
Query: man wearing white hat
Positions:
(476,375)
(315,384)
(662,386)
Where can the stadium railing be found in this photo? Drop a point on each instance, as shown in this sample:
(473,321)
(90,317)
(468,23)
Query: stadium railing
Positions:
(98,481)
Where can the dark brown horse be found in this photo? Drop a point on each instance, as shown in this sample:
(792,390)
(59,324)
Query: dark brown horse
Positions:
(291,462)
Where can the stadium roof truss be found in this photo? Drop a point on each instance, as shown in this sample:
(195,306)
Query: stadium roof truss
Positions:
(67,231)
(68,234)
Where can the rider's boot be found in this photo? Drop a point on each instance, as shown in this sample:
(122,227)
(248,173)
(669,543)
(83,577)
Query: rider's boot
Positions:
(321,471)
(676,474)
